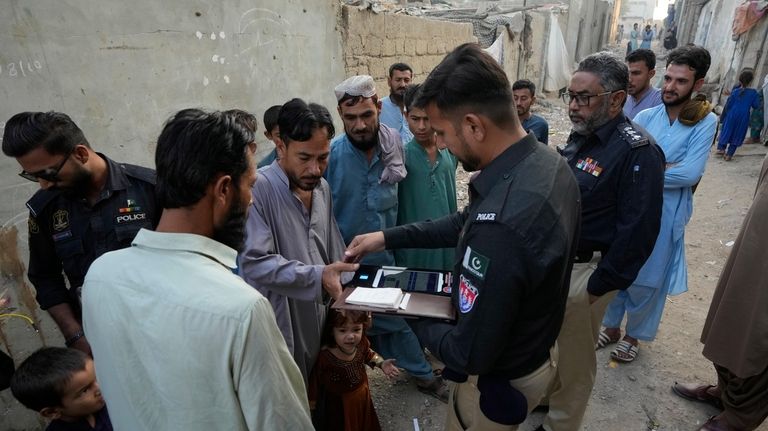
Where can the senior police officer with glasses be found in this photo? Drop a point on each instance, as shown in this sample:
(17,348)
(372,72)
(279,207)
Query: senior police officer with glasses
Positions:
(620,172)
(87,205)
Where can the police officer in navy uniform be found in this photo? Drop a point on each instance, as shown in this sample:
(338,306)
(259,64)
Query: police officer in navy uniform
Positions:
(514,246)
(620,172)
(88,205)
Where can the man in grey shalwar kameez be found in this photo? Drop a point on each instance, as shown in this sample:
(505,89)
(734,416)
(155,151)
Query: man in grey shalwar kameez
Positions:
(293,245)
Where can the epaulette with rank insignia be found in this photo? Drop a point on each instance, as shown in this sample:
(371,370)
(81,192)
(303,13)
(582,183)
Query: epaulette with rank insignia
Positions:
(630,133)
(37,203)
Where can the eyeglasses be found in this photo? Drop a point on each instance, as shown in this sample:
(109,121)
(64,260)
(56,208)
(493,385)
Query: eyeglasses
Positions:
(48,174)
(583,99)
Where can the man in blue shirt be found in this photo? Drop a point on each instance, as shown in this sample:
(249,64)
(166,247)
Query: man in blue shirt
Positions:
(642,68)
(392,107)
(685,140)
(524,92)
(364,169)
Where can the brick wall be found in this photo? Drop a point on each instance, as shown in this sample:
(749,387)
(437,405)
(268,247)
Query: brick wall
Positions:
(372,42)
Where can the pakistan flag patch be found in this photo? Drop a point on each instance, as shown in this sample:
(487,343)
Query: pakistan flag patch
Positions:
(475,263)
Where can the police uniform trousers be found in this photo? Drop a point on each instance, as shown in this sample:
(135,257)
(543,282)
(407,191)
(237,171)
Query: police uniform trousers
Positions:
(571,387)
(464,401)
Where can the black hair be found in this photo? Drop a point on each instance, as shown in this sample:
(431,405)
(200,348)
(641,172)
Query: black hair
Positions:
(612,72)
(695,57)
(40,380)
(402,67)
(746,76)
(337,319)
(54,131)
(524,84)
(270,118)
(468,79)
(193,149)
(645,55)
(410,96)
(245,118)
(298,120)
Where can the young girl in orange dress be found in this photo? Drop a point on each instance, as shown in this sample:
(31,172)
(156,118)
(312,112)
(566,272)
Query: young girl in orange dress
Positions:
(339,396)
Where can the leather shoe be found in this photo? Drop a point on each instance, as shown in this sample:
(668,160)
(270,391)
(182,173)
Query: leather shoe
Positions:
(715,424)
(701,393)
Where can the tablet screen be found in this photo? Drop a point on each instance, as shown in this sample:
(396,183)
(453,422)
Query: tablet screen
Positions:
(412,281)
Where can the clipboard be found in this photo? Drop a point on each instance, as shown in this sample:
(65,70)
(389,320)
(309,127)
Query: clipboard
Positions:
(419,305)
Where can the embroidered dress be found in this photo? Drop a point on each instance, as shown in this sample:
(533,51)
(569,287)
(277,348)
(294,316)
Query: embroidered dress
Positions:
(339,391)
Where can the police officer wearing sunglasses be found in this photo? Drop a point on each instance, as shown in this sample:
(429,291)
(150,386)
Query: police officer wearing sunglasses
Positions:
(87,205)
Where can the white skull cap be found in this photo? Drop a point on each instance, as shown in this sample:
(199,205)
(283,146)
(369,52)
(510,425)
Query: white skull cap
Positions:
(359,85)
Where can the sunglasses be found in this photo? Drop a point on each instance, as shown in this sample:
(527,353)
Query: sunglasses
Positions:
(48,174)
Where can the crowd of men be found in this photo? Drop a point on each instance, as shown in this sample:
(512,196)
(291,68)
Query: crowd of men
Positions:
(201,288)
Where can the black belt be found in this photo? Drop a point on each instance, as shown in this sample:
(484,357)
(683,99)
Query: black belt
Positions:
(584,256)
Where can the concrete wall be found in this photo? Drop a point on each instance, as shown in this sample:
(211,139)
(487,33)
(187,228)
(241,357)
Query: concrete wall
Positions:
(535,40)
(639,11)
(589,21)
(373,42)
(120,69)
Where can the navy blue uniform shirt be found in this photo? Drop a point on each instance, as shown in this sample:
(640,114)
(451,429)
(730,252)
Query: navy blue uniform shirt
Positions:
(620,171)
(67,234)
(514,246)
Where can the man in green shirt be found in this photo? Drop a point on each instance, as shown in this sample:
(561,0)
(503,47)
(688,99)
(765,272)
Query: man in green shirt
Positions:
(429,189)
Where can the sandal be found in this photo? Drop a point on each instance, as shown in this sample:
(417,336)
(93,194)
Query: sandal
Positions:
(603,339)
(719,152)
(624,352)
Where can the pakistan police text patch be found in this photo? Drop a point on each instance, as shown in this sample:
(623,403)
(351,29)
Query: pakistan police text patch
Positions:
(475,263)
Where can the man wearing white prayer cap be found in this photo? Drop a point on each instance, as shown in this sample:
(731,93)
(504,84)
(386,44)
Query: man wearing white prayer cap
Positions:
(364,167)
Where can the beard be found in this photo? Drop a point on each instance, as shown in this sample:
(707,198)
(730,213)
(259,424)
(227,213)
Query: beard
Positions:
(232,231)
(635,90)
(365,145)
(679,100)
(395,97)
(469,161)
(593,122)
(306,183)
(78,185)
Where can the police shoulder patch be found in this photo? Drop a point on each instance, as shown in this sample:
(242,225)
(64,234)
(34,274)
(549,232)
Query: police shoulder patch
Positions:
(632,136)
(467,294)
(32,224)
